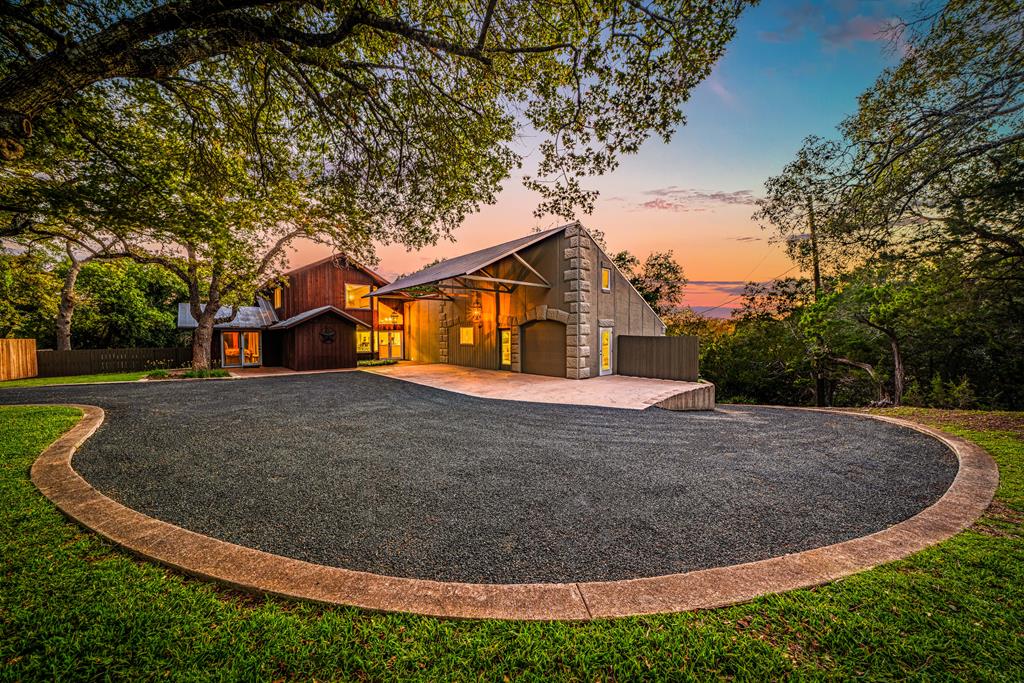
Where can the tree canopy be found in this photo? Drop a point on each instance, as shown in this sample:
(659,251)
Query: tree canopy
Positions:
(404,99)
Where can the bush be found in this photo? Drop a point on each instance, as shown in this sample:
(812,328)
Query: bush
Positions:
(206,374)
(376,361)
(159,374)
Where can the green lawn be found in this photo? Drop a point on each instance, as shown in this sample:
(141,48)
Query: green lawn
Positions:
(75,379)
(72,607)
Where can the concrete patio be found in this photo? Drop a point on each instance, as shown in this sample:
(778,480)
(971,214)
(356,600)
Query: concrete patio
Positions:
(610,391)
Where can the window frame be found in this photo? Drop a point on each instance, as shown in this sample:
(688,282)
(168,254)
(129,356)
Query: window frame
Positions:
(278,297)
(606,270)
(369,304)
(462,335)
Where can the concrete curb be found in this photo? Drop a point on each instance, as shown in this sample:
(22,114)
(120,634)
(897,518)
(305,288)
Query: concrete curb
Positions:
(248,569)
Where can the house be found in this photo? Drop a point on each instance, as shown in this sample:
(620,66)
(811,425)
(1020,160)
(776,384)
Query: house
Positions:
(322,320)
(550,303)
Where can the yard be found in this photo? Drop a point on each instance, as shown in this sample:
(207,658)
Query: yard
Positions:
(74,607)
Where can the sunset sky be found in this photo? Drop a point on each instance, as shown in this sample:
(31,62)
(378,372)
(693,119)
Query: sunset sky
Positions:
(793,69)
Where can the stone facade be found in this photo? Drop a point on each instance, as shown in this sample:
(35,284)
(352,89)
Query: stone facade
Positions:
(579,259)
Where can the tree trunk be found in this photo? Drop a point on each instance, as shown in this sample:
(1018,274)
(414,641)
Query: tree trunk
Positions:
(818,363)
(202,340)
(898,373)
(66,309)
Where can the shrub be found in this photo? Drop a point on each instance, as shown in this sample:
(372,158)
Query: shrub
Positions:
(206,374)
(376,361)
(159,374)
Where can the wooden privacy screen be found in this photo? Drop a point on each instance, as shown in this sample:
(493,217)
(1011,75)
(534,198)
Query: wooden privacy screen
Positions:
(96,361)
(17,358)
(657,357)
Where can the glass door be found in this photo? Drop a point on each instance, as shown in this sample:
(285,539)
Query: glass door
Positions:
(240,349)
(606,351)
(389,344)
(251,348)
(232,349)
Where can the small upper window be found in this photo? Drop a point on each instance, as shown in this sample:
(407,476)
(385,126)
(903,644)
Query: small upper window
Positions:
(357,296)
(278,296)
(466,336)
(606,278)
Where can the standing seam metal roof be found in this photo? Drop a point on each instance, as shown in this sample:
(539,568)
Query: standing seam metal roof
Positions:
(467,263)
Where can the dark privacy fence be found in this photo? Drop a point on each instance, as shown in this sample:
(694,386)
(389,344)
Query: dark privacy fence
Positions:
(657,357)
(94,361)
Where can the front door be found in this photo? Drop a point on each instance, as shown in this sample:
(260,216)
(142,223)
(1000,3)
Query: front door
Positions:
(606,351)
(389,344)
(240,349)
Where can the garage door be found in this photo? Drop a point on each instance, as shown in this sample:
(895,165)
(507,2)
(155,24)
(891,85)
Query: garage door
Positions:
(543,348)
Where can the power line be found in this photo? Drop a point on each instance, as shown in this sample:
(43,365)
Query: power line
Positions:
(740,296)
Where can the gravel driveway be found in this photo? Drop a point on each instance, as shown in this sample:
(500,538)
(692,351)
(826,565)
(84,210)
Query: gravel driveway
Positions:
(369,473)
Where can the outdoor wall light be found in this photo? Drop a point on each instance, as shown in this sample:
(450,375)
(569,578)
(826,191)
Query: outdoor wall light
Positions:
(476,309)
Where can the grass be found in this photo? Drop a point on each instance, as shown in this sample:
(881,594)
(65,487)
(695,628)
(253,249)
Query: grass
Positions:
(72,607)
(75,379)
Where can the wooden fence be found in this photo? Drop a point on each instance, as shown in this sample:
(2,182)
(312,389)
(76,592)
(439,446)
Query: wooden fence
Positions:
(95,361)
(17,358)
(657,357)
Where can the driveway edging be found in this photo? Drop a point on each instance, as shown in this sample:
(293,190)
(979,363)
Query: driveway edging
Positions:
(246,568)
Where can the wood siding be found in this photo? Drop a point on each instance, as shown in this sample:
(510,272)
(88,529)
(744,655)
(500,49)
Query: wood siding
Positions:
(17,359)
(483,352)
(657,357)
(422,320)
(323,284)
(304,347)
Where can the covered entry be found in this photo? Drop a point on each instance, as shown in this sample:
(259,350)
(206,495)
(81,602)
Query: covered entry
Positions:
(543,348)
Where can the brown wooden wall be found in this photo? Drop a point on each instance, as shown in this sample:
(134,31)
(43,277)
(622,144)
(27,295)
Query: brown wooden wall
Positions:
(323,284)
(17,358)
(304,349)
(657,357)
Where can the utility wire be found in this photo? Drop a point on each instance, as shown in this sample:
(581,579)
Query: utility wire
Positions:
(740,296)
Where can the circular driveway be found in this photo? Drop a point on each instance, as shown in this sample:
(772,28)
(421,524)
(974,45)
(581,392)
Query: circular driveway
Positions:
(363,472)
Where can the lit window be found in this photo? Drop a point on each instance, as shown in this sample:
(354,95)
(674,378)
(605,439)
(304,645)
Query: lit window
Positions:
(357,296)
(506,347)
(277,297)
(606,279)
(387,315)
(466,335)
(364,341)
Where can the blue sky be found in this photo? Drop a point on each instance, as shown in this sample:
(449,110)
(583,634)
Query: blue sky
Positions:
(795,68)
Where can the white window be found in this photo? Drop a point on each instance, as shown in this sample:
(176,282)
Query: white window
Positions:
(357,296)
(606,279)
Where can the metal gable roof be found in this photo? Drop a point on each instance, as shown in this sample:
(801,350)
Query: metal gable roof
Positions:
(467,263)
(313,313)
(247,317)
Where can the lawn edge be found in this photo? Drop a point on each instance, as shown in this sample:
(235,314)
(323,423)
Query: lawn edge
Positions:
(253,570)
